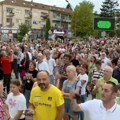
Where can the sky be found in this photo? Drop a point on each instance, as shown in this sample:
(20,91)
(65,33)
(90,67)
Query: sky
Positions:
(63,3)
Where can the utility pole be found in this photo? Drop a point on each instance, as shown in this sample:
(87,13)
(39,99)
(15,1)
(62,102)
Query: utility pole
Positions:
(31,33)
(31,13)
(2,14)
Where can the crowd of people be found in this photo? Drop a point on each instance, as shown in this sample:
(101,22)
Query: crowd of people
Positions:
(52,79)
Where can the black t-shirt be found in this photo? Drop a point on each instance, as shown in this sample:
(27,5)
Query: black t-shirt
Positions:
(29,83)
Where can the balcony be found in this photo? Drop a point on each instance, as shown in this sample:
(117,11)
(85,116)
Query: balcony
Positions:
(67,20)
(57,19)
(10,14)
(44,16)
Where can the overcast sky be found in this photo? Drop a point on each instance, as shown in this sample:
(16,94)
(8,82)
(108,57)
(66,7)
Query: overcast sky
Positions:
(63,3)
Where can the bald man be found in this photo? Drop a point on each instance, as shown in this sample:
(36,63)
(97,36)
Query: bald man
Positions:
(46,100)
(107,76)
(41,64)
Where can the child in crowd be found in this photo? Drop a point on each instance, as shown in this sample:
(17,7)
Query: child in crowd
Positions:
(118,95)
(16,102)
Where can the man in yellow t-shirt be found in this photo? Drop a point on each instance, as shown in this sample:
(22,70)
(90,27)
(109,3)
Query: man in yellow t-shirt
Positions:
(46,100)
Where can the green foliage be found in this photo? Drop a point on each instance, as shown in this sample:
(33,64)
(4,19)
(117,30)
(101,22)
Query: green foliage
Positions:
(118,32)
(23,28)
(20,38)
(47,28)
(109,8)
(15,35)
(82,19)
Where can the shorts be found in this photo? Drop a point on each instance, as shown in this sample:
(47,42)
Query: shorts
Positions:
(68,109)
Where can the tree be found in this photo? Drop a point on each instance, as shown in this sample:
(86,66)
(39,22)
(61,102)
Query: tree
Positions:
(109,8)
(82,19)
(23,29)
(47,28)
(118,32)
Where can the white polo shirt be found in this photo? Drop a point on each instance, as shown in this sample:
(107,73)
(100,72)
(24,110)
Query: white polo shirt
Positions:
(97,111)
(105,62)
(81,78)
(42,66)
(51,64)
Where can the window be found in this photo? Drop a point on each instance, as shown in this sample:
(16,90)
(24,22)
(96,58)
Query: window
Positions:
(8,20)
(63,17)
(27,12)
(27,22)
(9,10)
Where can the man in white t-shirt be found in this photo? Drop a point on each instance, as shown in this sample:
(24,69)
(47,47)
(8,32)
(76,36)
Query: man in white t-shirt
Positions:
(104,60)
(41,64)
(51,64)
(84,80)
(105,109)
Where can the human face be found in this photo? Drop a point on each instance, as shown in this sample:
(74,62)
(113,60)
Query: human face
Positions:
(82,70)
(103,55)
(118,63)
(43,80)
(31,66)
(40,58)
(92,59)
(14,88)
(70,74)
(66,60)
(107,93)
(118,93)
(107,72)
(98,66)
(47,55)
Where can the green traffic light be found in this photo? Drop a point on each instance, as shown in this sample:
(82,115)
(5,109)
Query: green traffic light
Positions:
(104,24)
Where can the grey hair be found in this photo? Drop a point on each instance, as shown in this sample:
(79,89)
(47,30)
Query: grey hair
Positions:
(110,68)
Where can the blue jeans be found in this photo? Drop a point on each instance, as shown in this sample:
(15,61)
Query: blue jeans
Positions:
(81,114)
(52,79)
(27,96)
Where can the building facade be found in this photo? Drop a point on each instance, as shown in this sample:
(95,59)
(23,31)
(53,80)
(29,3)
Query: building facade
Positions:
(15,12)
